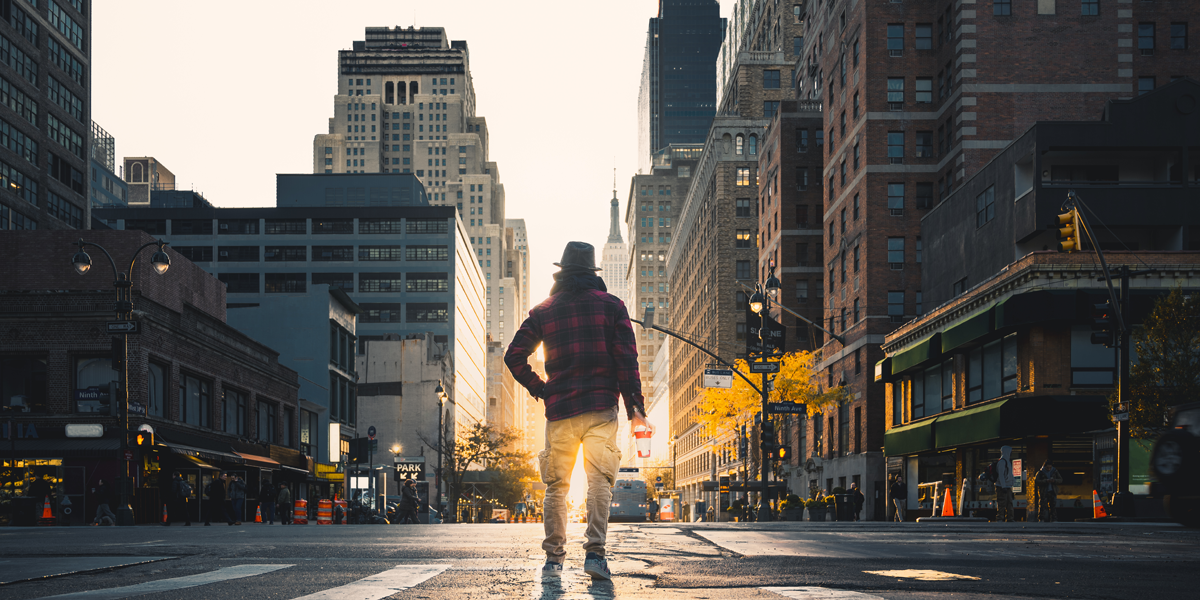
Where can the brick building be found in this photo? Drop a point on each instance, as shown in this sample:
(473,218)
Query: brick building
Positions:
(216,398)
(705,261)
(1004,355)
(918,96)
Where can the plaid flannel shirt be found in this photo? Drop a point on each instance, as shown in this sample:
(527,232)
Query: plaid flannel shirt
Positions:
(590,350)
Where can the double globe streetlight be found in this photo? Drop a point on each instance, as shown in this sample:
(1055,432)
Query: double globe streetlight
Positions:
(760,303)
(123,306)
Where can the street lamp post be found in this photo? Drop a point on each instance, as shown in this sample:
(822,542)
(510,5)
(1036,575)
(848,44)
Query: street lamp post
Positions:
(761,304)
(123,307)
(441,396)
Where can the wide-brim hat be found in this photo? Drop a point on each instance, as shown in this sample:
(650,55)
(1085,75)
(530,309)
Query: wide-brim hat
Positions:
(578,254)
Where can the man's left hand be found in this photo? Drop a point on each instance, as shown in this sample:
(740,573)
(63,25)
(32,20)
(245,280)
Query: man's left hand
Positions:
(639,419)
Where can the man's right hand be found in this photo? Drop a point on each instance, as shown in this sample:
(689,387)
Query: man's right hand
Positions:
(639,419)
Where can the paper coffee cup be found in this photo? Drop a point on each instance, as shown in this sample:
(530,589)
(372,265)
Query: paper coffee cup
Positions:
(642,437)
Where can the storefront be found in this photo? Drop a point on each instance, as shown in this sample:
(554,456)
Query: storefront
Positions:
(38,461)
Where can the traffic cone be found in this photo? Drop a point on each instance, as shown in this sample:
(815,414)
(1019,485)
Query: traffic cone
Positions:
(258,514)
(47,515)
(948,505)
(165,519)
(1098,511)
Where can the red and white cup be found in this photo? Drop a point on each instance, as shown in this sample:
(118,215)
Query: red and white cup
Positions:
(641,435)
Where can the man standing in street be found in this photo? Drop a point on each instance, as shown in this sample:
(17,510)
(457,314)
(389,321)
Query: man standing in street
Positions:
(1004,485)
(177,508)
(218,504)
(591,358)
(284,500)
(899,494)
(237,498)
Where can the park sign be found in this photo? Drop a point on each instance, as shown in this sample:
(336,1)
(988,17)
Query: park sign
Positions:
(717,378)
(410,467)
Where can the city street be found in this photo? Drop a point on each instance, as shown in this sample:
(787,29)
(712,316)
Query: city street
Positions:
(725,561)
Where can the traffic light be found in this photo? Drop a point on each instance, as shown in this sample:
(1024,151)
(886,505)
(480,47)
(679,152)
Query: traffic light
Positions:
(145,439)
(1067,225)
(358,450)
(783,453)
(1104,330)
(767,434)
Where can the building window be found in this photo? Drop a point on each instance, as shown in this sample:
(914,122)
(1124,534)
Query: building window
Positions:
(285,253)
(742,207)
(743,270)
(896,306)
(266,422)
(895,93)
(801,140)
(739,143)
(924,90)
(771,79)
(925,194)
(380,253)
(985,206)
(801,178)
(285,283)
(770,107)
(959,287)
(433,312)
(195,401)
(924,36)
(1001,8)
(897,402)
(802,291)
(1179,36)
(992,368)
(895,39)
(753,145)
(234,411)
(333,253)
(743,176)
(740,332)
(1092,365)
(919,249)
(743,238)
(1089,8)
(1146,38)
(896,201)
(895,147)
(924,144)
(895,253)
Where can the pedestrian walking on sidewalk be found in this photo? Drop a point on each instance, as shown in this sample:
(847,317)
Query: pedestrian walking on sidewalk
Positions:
(103,497)
(591,359)
(237,497)
(218,501)
(1004,485)
(857,498)
(899,494)
(409,502)
(177,501)
(1048,479)
(284,502)
(266,501)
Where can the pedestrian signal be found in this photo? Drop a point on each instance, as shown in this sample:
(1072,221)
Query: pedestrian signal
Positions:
(145,439)
(1104,330)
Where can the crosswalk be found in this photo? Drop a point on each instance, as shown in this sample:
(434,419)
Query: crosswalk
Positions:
(437,580)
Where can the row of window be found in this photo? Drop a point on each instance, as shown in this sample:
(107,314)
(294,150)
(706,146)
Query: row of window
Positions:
(990,371)
(293,226)
(295,283)
(319,253)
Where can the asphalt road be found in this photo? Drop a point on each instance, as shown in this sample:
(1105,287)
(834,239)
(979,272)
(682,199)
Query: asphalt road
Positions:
(808,561)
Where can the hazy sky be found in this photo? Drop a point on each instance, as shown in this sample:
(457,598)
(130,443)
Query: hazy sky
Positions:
(227,94)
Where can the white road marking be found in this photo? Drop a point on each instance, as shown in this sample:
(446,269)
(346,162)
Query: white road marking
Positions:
(819,593)
(923,575)
(380,585)
(176,583)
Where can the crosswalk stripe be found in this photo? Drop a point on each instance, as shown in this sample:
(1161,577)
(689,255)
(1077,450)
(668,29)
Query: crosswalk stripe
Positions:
(819,593)
(175,583)
(380,585)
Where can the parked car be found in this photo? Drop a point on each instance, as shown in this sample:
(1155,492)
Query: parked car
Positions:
(1176,464)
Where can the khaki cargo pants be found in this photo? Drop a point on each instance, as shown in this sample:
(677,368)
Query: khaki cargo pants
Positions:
(597,433)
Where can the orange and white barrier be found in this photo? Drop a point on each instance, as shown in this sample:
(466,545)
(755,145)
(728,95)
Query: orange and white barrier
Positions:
(324,512)
(300,512)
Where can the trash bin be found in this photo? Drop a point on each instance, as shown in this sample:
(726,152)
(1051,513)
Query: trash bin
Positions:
(844,504)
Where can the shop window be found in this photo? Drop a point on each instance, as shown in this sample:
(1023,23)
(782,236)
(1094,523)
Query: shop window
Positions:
(992,369)
(23,384)
(897,403)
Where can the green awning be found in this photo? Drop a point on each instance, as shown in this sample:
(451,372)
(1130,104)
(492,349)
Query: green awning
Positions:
(917,354)
(910,439)
(883,370)
(969,426)
(968,330)
(1036,307)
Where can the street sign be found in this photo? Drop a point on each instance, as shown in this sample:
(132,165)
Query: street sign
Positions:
(414,470)
(124,327)
(374,444)
(756,486)
(129,455)
(1124,416)
(764,367)
(371,432)
(709,486)
(717,378)
(786,408)
(401,459)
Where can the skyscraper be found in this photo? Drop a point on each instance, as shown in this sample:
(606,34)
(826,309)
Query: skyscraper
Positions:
(406,104)
(676,100)
(45,115)
(615,259)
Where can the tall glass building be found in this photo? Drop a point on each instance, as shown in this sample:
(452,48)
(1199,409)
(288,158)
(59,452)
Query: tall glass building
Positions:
(676,100)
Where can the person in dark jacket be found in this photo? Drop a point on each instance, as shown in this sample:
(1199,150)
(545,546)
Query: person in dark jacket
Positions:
(177,501)
(857,500)
(103,497)
(409,501)
(284,501)
(218,504)
(266,501)
(237,498)
(591,361)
